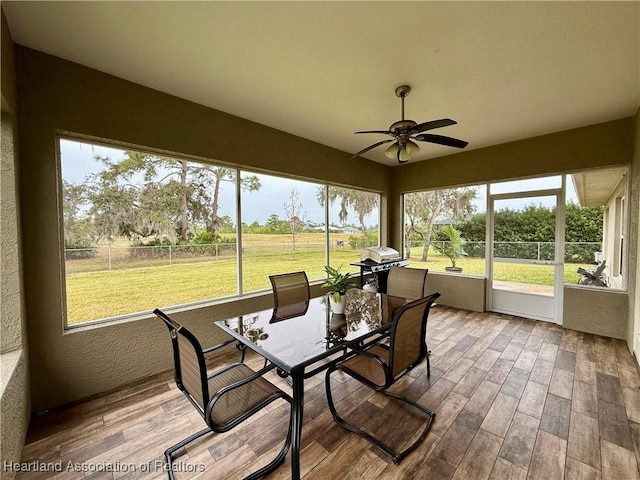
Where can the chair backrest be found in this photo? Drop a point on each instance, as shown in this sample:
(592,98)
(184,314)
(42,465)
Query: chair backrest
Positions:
(407,341)
(190,369)
(290,288)
(407,282)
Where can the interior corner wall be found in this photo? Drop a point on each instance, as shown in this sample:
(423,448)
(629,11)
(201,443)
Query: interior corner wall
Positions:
(15,404)
(601,145)
(633,246)
(56,95)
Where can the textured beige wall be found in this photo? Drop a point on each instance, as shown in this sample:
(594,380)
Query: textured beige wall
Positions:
(10,280)
(460,291)
(56,95)
(15,406)
(633,284)
(598,311)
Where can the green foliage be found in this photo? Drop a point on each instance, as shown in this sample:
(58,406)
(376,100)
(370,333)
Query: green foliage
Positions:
(337,282)
(359,242)
(453,247)
(583,232)
(584,224)
(361,202)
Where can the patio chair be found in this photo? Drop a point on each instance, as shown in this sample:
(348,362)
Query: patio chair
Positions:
(224,398)
(291,291)
(407,282)
(379,366)
(290,288)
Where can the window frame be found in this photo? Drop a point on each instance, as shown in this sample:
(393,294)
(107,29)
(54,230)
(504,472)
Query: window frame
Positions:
(240,293)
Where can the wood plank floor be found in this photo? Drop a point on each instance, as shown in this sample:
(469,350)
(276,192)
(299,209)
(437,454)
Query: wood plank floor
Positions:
(514,398)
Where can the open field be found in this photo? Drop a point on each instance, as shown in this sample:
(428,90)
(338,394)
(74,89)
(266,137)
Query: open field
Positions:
(94,292)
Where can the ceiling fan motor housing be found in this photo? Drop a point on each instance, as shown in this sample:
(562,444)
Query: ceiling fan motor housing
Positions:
(402,126)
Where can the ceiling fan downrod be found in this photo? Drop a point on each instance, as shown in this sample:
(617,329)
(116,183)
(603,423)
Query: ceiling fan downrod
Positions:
(401,92)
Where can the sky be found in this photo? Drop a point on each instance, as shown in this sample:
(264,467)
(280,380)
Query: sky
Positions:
(78,161)
(257,206)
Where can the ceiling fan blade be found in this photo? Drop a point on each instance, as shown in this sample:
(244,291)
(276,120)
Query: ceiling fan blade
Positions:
(441,140)
(423,127)
(357,154)
(378,131)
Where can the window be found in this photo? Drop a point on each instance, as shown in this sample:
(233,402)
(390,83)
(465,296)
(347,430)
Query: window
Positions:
(429,215)
(143,230)
(353,225)
(596,226)
(279,229)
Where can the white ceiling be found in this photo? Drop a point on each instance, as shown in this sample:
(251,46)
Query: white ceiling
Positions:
(323,70)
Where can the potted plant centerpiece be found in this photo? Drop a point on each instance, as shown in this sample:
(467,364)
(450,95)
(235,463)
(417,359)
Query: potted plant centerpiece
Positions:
(452,248)
(338,284)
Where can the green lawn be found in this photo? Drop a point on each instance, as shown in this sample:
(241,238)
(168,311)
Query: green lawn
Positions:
(94,294)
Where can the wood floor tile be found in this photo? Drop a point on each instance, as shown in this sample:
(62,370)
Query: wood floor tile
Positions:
(576,470)
(584,398)
(515,383)
(566,360)
(631,397)
(533,399)
(609,388)
(480,457)
(514,399)
(584,439)
(499,416)
(487,360)
(618,462)
(481,400)
(556,416)
(561,383)
(505,470)
(542,371)
(548,458)
(614,426)
(521,436)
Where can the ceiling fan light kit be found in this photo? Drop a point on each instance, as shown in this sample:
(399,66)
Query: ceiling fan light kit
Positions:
(404,132)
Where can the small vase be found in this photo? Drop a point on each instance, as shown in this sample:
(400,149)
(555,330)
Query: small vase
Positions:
(337,307)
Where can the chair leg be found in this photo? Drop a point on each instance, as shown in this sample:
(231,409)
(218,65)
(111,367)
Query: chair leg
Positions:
(431,415)
(276,462)
(396,457)
(168,453)
(271,466)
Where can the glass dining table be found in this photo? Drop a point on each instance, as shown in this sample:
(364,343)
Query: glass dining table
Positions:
(305,338)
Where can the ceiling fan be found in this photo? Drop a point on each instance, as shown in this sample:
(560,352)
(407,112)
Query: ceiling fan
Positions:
(404,132)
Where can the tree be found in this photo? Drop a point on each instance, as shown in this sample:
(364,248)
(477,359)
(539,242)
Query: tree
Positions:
(361,202)
(173,197)
(79,232)
(422,209)
(294,214)
(275,225)
(536,223)
(213,177)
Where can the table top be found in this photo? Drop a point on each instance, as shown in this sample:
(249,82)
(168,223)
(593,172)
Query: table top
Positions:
(301,334)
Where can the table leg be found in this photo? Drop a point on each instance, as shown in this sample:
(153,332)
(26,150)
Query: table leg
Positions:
(296,420)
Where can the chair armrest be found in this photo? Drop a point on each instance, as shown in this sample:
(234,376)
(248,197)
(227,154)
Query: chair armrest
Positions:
(242,382)
(218,346)
(376,358)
